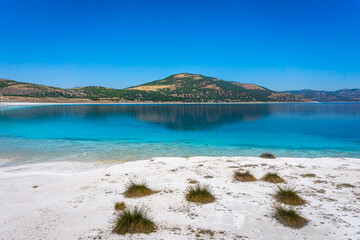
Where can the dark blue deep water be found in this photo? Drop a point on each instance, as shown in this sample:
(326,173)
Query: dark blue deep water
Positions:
(131,132)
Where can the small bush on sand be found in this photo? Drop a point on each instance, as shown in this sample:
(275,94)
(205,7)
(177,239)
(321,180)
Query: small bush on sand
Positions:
(267,155)
(244,176)
(199,194)
(272,178)
(289,195)
(119,206)
(289,217)
(134,220)
(134,190)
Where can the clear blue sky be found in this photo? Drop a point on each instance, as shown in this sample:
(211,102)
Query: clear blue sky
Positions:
(278,44)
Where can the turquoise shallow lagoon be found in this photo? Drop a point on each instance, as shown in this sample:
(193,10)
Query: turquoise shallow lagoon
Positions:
(132,132)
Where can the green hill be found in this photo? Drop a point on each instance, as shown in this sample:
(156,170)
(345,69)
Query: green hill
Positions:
(187,87)
(182,87)
(14,88)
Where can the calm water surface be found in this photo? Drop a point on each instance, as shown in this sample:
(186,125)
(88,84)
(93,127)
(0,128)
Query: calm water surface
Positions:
(132,132)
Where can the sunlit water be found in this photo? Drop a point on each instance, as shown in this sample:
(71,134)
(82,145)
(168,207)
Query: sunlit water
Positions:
(132,132)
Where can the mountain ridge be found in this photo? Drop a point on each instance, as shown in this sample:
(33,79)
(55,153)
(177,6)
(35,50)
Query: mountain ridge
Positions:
(342,95)
(182,87)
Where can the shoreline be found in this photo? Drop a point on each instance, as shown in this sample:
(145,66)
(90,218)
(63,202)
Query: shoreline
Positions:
(82,196)
(9,103)
(3,103)
(99,163)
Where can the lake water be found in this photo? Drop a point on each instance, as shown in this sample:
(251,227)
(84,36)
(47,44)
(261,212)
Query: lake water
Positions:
(132,132)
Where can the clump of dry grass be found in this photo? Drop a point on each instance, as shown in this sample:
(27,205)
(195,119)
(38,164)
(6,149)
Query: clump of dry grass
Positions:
(192,181)
(308,175)
(289,195)
(289,217)
(135,220)
(346,185)
(134,190)
(244,176)
(207,232)
(272,178)
(119,206)
(199,194)
(267,155)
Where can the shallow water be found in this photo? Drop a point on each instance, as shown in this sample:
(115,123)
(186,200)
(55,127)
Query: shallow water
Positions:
(132,132)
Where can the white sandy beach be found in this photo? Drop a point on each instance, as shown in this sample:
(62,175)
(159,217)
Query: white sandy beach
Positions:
(76,200)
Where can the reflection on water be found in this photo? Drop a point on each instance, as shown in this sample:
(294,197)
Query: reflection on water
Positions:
(182,117)
(122,132)
(179,117)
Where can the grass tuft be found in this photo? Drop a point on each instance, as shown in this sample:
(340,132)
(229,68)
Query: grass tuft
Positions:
(289,217)
(308,175)
(192,181)
(244,176)
(134,220)
(267,155)
(207,232)
(119,206)
(199,194)
(272,178)
(289,195)
(134,190)
(346,185)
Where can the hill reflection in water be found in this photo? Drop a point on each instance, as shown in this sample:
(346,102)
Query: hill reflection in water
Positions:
(182,116)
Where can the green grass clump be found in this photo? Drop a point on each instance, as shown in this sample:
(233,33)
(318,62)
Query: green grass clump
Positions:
(289,195)
(267,155)
(134,220)
(272,178)
(199,194)
(289,217)
(134,190)
(119,206)
(244,176)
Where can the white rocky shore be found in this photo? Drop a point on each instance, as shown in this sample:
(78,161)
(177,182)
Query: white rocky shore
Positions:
(76,200)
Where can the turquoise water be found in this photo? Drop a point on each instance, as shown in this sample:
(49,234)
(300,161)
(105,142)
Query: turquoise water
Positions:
(132,132)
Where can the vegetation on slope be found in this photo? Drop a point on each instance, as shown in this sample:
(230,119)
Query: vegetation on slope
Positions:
(175,88)
(197,88)
(342,95)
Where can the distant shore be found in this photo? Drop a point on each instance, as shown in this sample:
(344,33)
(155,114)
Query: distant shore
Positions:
(44,201)
(9,103)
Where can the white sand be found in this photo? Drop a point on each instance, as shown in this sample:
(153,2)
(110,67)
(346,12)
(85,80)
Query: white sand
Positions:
(75,201)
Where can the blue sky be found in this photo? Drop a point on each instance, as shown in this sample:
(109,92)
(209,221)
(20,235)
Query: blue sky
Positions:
(277,44)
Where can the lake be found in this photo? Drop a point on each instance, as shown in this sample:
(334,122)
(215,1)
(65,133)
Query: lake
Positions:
(132,132)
